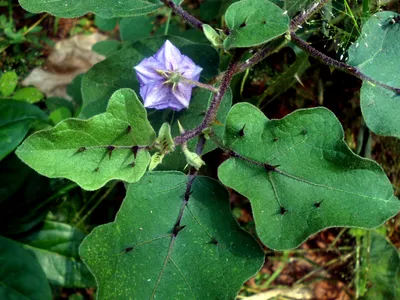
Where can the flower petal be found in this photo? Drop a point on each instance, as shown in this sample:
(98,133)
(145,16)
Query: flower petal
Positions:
(182,93)
(169,56)
(146,71)
(189,69)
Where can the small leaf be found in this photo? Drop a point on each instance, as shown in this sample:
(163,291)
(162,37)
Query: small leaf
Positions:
(55,247)
(307,178)
(16,119)
(95,151)
(28,94)
(160,248)
(383,267)
(254,22)
(376,54)
(104,8)
(21,276)
(8,83)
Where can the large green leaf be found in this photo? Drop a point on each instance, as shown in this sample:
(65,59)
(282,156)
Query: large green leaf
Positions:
(141,256)
(135,28)
(55,247)
(92,152)
(21,276)
(383,266)
(254,22)
(104,8)
(376,54)
(189,119)
(16,119)
(23,194)
(317,183)
(117,71)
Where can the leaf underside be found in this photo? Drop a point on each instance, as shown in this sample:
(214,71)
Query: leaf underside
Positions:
(138,256)
(317,181)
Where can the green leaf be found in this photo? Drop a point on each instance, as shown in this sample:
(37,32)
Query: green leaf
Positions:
(116,71)
(136,28)
(16,119)
(55,247)
(24,197)
(383,266)
(60,114)
(28,94)
(74,90)
(21,276)
(375,53)
(311,181)
(105,24)
(107,47)
(8,83)
(104,8)
(138,256)
(95,151)
(189,119)
(54,103)
(254,22)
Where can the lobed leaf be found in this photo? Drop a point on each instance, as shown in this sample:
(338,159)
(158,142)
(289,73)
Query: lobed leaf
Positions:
(376,54)
(254,22)
(160,248)
(104,8)
(95,151)
(312,180)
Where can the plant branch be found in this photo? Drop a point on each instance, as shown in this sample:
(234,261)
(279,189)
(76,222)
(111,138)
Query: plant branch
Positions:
(303,16)
(211,113)
(338,64)
(184,14)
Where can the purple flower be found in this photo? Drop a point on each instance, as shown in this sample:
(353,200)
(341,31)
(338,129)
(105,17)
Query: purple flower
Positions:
(159,78)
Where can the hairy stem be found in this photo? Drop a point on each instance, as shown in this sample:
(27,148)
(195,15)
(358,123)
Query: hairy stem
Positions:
(303,16)
(338,64)
(199,84)
(184,14)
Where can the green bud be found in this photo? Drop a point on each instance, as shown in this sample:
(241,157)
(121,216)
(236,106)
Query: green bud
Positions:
(212,35)
(165,140)
(155,160)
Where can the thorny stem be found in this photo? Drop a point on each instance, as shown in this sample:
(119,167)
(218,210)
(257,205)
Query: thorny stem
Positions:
(184,14)
(211,113)
(338,64)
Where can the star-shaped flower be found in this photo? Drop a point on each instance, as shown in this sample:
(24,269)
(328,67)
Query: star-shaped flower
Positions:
(159,78)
